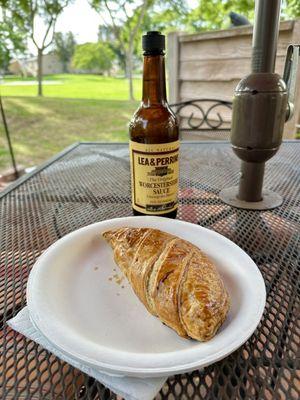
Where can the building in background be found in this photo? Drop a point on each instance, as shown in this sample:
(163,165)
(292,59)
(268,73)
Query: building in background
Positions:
(29,66)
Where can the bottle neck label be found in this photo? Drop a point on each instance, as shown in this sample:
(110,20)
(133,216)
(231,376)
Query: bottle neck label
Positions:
(154,177)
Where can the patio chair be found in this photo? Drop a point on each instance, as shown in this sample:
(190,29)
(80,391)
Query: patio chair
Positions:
(204,119)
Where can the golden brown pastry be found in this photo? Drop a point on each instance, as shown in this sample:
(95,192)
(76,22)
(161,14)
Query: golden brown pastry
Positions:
(173,278)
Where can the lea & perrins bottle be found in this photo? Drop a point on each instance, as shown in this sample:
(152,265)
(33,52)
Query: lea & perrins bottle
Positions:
(154,139)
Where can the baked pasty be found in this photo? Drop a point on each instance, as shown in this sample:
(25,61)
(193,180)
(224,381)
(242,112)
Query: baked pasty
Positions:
(173,278)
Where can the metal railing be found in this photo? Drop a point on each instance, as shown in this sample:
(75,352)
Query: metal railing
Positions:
(203,118)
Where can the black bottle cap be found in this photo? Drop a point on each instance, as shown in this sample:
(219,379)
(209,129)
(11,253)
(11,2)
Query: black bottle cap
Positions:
(153,43)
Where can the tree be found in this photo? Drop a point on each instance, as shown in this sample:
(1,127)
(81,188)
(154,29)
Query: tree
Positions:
(11,41)
(93,56)
(126,18)
(12,34)
(213,14)
(42,12)
(167,16)
(47,12)
(291,8)
(64,47)
(105,33)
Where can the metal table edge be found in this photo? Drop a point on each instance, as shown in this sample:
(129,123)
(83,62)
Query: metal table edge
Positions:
(181,142)
(38,169)
(68,149)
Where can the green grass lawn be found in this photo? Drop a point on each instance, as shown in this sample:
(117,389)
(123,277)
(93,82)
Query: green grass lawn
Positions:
(75,86)
(83,107)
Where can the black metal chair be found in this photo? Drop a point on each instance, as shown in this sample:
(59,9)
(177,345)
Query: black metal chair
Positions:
(204,118)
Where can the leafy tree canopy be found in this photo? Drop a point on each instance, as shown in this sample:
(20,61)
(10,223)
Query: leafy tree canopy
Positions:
(64,44)
(12,33)
(291,9)
(213,14)
(93,56)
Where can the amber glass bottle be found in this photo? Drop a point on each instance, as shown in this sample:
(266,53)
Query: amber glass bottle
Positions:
(154,139)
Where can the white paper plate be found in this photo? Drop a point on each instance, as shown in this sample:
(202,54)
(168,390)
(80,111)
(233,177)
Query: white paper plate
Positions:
(76,300)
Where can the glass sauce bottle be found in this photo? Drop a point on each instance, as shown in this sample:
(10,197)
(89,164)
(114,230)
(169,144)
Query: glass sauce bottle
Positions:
(154,139)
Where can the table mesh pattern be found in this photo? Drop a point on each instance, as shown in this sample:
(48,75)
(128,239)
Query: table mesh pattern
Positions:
(91,183)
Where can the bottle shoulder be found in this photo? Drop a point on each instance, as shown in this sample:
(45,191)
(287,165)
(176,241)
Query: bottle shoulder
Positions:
(154,124)
(153,115)
(157,107)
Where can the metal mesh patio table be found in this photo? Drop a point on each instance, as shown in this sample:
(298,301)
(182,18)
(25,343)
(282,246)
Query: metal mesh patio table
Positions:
(89,182)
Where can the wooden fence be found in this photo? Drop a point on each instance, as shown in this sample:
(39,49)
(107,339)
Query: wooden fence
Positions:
(210,64)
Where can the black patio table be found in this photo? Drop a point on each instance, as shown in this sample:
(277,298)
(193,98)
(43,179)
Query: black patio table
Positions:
(89,182)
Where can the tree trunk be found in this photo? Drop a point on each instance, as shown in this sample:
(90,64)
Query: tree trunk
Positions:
(65,67)
(129,67)
(40,72)
(126,67)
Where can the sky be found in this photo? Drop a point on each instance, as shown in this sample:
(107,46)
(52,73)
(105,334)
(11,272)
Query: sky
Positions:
(79,18)
(82,20)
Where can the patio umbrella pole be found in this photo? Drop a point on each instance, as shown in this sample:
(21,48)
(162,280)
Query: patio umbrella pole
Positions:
(8,140)
(260,109)
(265,37)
